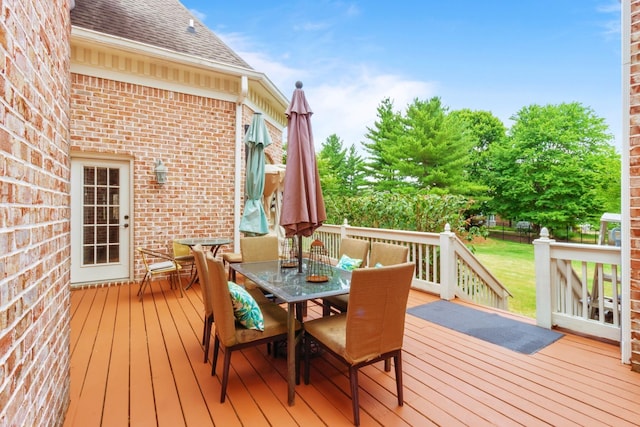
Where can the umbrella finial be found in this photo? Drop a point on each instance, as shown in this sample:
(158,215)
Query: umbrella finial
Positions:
(298,84)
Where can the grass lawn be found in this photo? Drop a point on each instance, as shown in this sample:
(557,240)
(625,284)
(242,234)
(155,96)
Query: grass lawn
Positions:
(512,264)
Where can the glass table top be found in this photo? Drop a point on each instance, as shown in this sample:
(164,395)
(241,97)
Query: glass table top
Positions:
(204,241)
(292,286)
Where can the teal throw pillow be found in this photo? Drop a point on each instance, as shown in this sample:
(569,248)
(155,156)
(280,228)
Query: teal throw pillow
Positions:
(245,308)
(347,263)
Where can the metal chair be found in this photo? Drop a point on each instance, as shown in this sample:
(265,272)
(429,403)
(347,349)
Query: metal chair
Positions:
(183,256)
(165,265)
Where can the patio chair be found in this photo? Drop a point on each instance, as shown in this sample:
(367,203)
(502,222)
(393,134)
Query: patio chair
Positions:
(229,333)
(257,249)
(387,254)
(382,254)
(371,330)
(354,249)
(260,248)
(207,293)
(165,265)
(231,258)
(183,256)
(203,275)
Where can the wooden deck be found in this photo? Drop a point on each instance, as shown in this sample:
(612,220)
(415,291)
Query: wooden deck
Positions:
(141,363)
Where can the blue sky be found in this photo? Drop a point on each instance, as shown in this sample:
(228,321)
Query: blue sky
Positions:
(492,55)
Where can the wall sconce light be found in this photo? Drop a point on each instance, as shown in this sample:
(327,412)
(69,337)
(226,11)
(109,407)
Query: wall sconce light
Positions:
(161,172)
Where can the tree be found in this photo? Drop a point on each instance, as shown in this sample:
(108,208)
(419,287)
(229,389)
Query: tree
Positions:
(483,129)
(548,170)
(424,150)
(381,165)
(433,151)
(341,170)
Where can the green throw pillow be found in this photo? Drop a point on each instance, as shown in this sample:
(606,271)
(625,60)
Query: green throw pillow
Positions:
(245,308)
(347,263)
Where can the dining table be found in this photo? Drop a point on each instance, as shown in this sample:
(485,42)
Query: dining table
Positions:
(292,287)
(213,242)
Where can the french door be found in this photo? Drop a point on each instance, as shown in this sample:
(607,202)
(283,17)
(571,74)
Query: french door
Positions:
(100,219)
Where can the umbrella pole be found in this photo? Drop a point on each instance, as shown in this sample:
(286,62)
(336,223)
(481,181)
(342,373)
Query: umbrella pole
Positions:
(299,254)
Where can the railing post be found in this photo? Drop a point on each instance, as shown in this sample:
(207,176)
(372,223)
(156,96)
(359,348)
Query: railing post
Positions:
(343,229)
(447,264)
(542,256)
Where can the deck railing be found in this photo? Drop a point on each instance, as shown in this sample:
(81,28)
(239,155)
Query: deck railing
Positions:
(444,265)
(578,287)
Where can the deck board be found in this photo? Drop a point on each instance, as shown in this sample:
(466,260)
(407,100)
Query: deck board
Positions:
(116,397)
(141,363)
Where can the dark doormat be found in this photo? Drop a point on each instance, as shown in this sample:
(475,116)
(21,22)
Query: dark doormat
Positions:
(491,327)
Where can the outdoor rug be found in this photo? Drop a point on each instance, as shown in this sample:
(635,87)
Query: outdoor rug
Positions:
(512,334)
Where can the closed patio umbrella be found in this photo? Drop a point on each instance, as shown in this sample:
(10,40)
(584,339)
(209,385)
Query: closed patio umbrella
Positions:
(302,206)
(254,220)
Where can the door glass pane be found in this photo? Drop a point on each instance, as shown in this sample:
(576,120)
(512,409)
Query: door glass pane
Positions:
(101,229)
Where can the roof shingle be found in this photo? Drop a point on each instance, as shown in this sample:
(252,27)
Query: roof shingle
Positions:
(162,23)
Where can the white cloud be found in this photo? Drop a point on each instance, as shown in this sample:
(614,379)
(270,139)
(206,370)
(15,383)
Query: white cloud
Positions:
(347,107)
(344,98)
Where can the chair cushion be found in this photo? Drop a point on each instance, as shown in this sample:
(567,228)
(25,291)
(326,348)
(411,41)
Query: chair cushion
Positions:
(245,308)
(162,265)
(275,323)
(331,330)
(348,263)
(231,257)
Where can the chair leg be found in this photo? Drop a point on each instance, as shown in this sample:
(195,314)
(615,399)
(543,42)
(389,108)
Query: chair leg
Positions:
(204,331)
(216,348)
(208,323)
(146,280)
(307,358)
(387,365)
(353,380)
(326,308)
(298,355)
(225,374)
(178,281)
(397,360)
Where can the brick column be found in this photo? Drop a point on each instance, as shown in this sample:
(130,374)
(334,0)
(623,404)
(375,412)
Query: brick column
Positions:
(34,212)
(634,175)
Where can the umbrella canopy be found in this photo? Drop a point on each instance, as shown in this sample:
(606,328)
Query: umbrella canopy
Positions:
(254,220)
(302,206)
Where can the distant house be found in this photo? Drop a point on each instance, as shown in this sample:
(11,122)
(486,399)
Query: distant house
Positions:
(86,113)
(149,83)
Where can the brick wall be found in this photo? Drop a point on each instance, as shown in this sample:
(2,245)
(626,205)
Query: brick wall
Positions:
(34,212)
(634,174)
(195,138)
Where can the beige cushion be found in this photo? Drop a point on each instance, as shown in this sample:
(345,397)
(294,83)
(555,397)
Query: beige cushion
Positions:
(231,257)
(374,322)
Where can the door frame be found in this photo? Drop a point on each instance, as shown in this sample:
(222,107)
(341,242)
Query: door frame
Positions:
(128,251)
